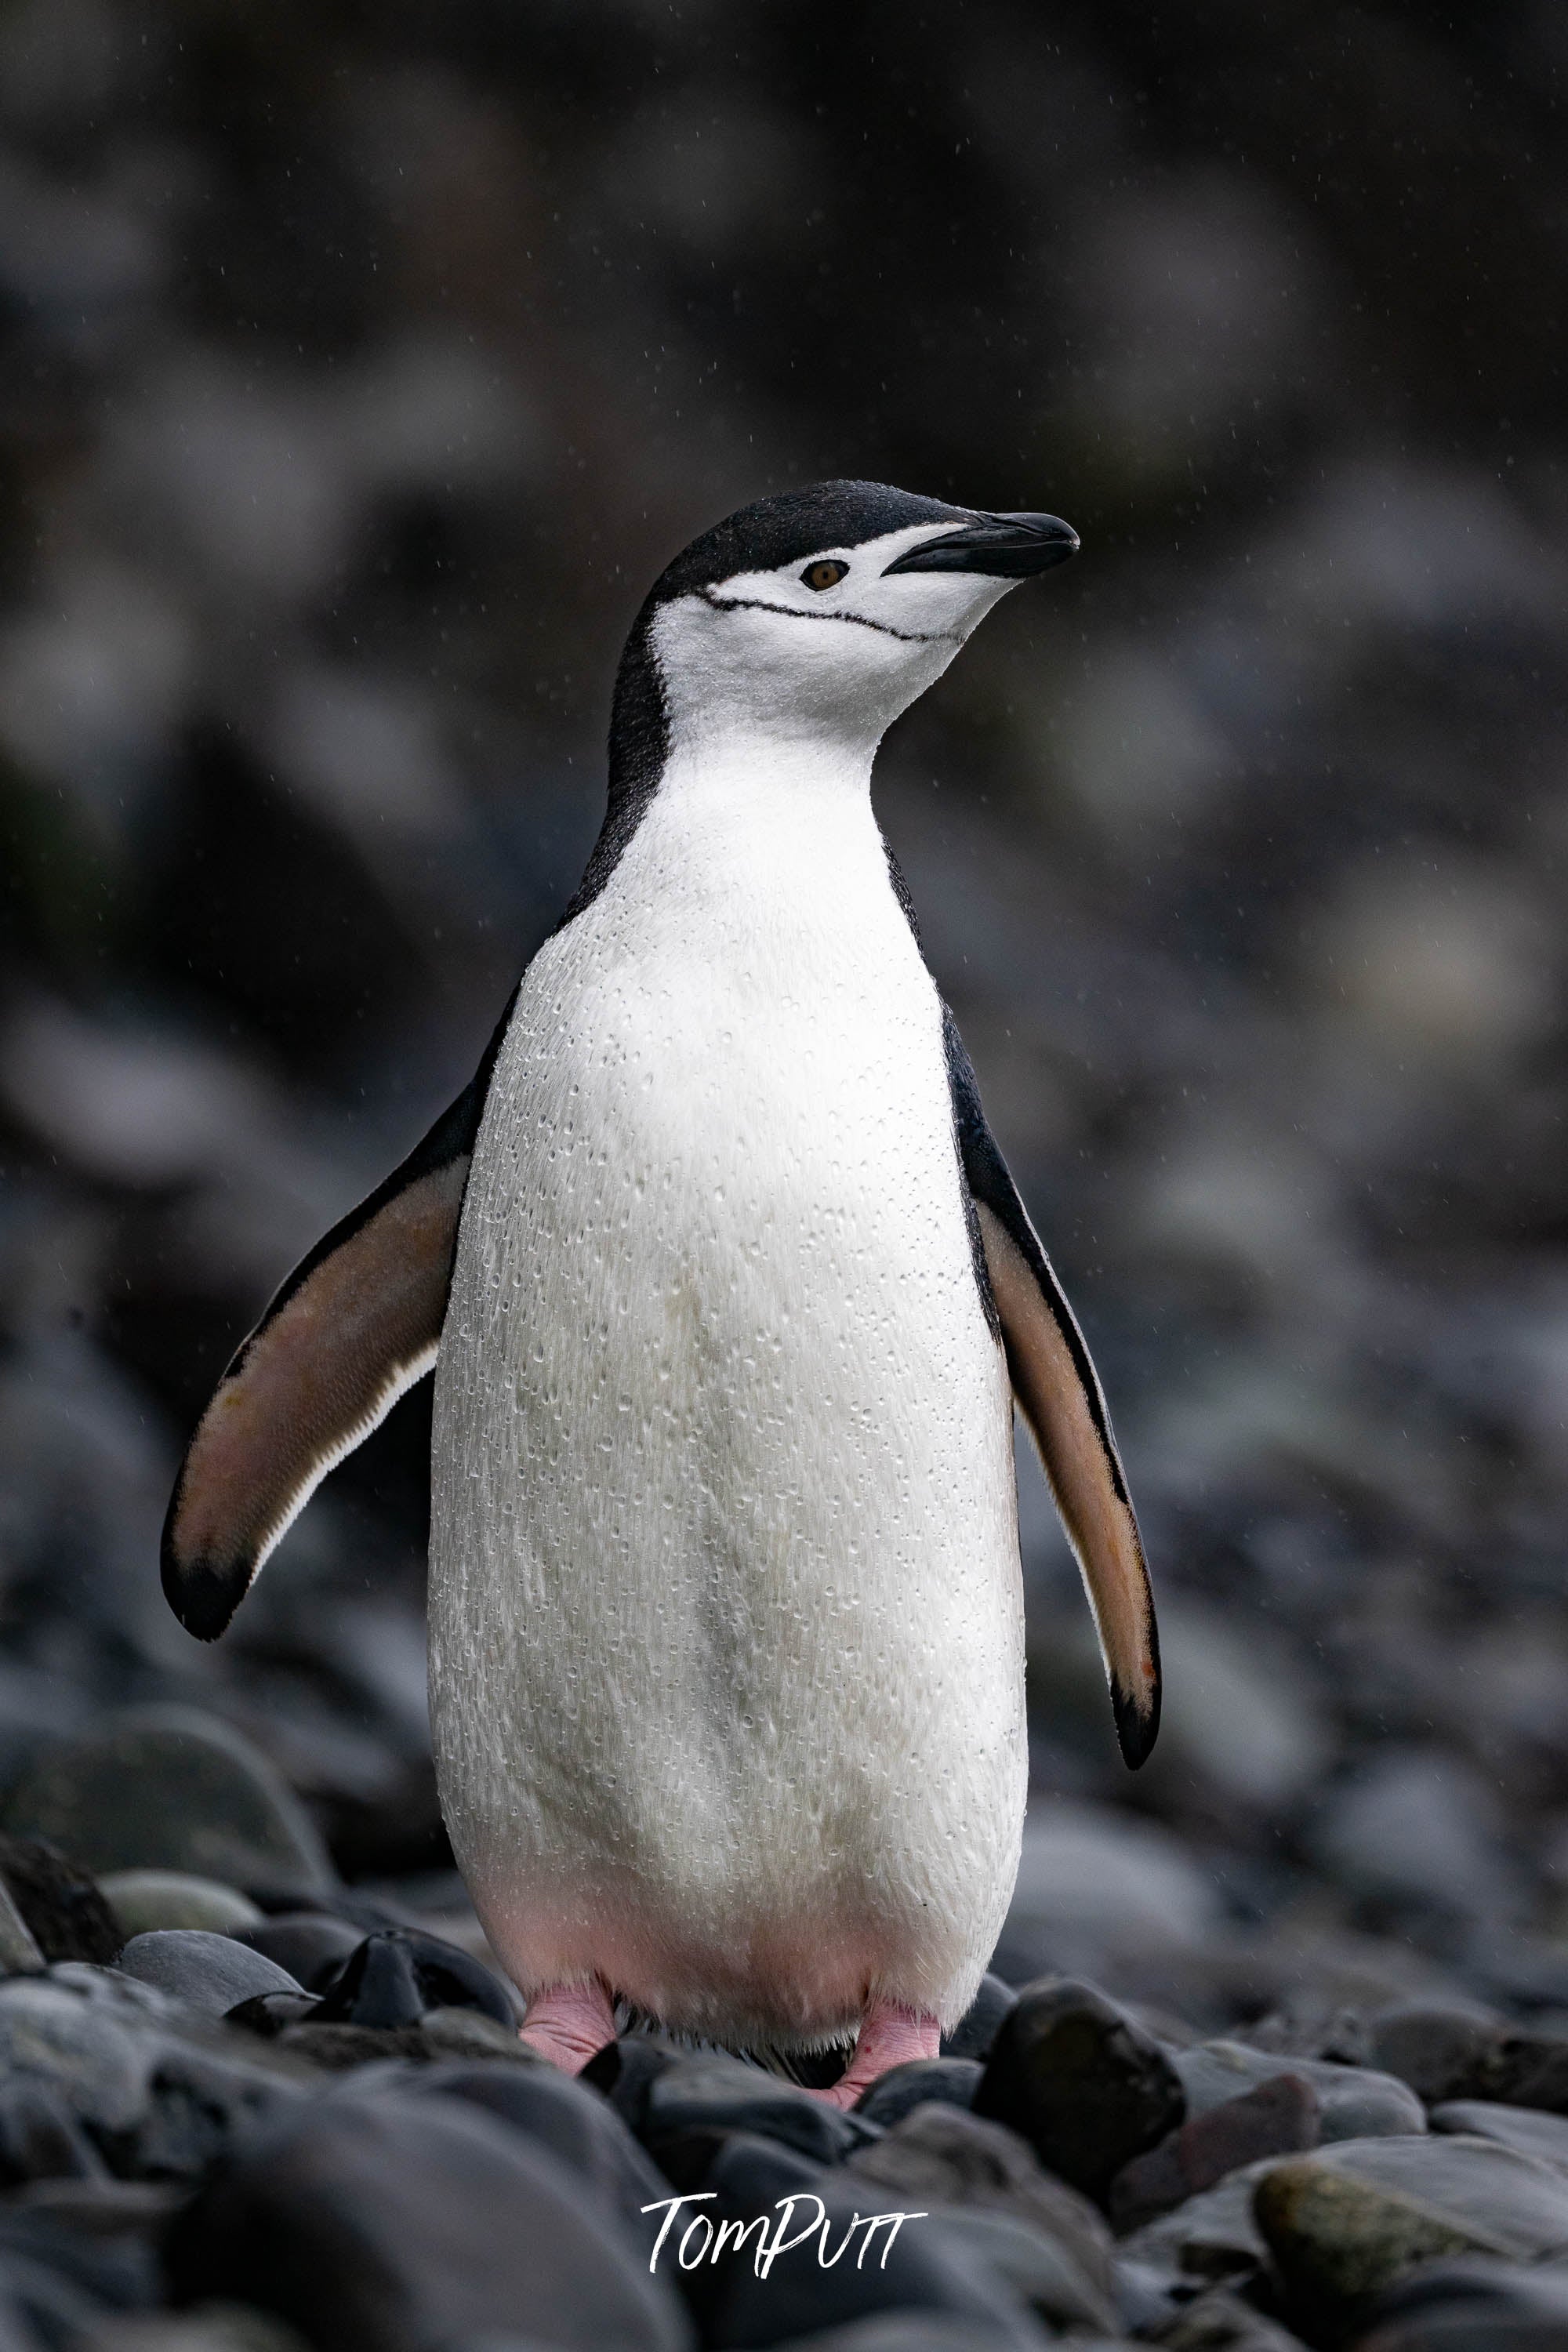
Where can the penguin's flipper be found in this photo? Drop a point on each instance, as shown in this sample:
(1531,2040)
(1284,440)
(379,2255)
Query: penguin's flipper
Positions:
(1059,1392)
(357,1323)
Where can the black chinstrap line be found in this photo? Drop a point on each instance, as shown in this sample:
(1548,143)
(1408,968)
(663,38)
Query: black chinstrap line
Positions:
(793,613)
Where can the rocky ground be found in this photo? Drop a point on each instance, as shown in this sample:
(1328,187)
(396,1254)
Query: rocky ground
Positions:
(245,2107)
(359,369)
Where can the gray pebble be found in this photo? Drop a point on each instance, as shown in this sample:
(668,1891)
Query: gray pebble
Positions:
(208,1972)
(144,1900)
(1354,2102)
(167,1788)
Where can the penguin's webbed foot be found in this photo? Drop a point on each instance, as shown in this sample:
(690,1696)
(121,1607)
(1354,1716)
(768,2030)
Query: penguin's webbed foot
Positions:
(570,2023)
(889,2035)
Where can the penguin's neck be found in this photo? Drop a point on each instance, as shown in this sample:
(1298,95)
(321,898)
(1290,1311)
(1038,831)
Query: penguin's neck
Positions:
(780,819)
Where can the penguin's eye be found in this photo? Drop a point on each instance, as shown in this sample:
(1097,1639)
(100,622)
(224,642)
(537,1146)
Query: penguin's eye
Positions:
(826,573)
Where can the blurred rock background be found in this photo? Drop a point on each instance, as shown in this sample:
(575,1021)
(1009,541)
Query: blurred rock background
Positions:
(361,367)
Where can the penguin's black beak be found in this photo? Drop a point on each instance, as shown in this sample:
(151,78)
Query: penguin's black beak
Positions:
(1003,546)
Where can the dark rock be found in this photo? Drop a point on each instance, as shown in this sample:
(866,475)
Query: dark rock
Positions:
(170,1789)
(1345,2223)
(64,1909)
(1471,2307)
(72,2253)
(311,1945)
(41,2139)
(157,2089)
(1221,2322)
(814,2283)
(912,2331)
(208,1972)
(977,2028)
(1212,2238)
(272,2013)
(1442,2053)
(339,2048)
(1280,2118)
(625,2072)
(948,2082)
(469,2033)
(376,1985)
(293,2022)
(576,2124)
(19,1953)
(697,2102)
(381,2223)
(1088,2088)
(1526,2070)
(398,1974)
(1354,2102)
(1037,2267)
(144,1901)
(942,2156)
(1531,2130)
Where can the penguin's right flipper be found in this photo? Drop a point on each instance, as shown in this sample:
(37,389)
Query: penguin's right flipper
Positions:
(1059,1392)
(353,1327)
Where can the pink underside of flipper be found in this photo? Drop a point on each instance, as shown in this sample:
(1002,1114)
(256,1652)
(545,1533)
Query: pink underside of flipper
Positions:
(889,2034)
(568,2024)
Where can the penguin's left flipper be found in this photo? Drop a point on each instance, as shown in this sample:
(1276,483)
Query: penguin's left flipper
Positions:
(1059,1395)
(356,1324)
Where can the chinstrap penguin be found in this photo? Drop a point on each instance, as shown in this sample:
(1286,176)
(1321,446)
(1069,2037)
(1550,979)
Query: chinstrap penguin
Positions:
(731,1294)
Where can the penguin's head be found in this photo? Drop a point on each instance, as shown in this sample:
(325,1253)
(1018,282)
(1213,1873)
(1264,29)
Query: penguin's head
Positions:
(822,613)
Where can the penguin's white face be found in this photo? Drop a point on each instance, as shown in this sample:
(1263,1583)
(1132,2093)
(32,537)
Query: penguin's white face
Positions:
(837,642)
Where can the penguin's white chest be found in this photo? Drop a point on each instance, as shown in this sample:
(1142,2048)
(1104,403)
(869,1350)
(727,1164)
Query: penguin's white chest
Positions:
(725,1605)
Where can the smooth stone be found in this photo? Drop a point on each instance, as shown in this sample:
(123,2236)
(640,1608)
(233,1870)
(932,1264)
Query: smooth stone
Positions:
(949,2082)
(944,2156)
(1343,2224)
(1280,2118)
(1212,2236)
(1354,2102)
(1420,1826)
(923,2331)
(167,1788)
(145,1900)
(1090,1879)
(624,2073)
(1526,2070)
(216,2327)
(470,2033)
(398,1974)
(1447,2054)
(381,2223)
(1221,2322)
(702,2099)
(576,2126)
(311,1945)
(20,1951)
(1530,2130)
(1039,2268)
(977,2028)
(208,1972)
(62,1909)
(1084,2086)
(292,2023)
(926,2271)
(41,2137)
(161,2090)
(1471,2307)
(1441,2053)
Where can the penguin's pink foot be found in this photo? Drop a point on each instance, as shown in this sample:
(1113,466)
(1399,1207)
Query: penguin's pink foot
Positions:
(889,2034)
(570,2023)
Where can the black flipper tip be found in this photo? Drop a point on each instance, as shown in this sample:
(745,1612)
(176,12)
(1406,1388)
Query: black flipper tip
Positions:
(1137,1724)
(202,1593)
